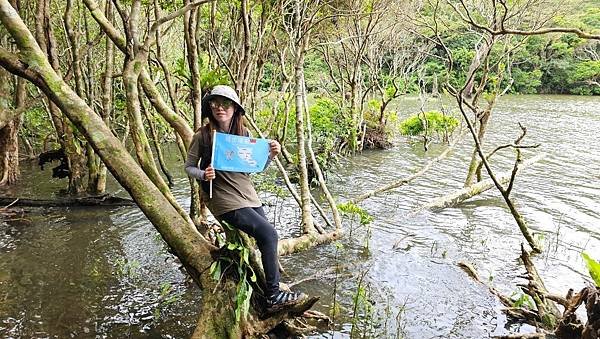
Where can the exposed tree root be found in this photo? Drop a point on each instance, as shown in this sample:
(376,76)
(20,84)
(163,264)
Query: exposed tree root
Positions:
(376,138)
(546,314)
(217,319)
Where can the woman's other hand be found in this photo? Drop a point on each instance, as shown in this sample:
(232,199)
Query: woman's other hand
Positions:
(274,148)
(209,173)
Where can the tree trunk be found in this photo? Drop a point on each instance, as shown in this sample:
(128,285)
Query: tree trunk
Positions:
(192,249)
(307,220)
(9,140)
(315,163)
(189,23)
(156,143)
(152,93)
(474,164)
(106,98)
(75,156)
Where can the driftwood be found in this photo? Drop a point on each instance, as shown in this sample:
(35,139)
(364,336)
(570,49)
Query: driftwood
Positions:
(463,194)
(102,200)
(406,180)
(546,314)
(570,327)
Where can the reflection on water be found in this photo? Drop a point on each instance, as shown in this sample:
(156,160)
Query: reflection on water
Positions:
(105,273)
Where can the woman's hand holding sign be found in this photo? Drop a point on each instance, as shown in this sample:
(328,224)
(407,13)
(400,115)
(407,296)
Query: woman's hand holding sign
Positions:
(209,173)
(274,148)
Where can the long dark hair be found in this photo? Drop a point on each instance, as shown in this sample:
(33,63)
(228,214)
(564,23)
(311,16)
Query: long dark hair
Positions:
(237,127)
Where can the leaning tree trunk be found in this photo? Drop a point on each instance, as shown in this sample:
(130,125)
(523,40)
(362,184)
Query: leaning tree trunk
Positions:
(455,198)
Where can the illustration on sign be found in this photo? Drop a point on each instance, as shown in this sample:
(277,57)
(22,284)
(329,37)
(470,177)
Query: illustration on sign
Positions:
(233,153)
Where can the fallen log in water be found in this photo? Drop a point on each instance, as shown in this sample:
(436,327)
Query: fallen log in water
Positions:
(102,200)
(403,181)
(463,194)
(303,242)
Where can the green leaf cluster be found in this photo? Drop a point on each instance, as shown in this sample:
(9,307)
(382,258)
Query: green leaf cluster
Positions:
(209,76)
(329,128)
(350,208)
(593,267)
(436,122)
(244,287)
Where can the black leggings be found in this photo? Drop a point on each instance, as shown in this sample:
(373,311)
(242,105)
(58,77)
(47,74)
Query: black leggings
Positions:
(252,221)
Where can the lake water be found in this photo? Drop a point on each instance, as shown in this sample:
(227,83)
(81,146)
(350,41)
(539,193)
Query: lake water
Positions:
(83,272)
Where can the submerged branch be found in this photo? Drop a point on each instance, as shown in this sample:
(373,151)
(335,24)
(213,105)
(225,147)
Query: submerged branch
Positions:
(293,245)
(102,200)
(406,180)
(463,194)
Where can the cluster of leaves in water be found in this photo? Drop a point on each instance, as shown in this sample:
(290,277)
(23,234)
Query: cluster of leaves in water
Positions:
(166,297)
(523,300)
(353,209)
(432,122)
(128,269)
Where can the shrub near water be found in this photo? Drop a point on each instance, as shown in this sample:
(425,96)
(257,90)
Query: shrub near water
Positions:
(437,122)
(329,129)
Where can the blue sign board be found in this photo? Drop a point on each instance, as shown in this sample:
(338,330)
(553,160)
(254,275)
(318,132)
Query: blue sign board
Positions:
(234,153)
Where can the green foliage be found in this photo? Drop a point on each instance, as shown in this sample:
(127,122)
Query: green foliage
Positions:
(594,268)
(128,269)
(549,63)
(523,300)
(582,74)
(167,296)
(267,182)
(352,209)
(244,288)
(36,125)
(527,82)
(436,122)
(329,129)
(209,76)
(361,303)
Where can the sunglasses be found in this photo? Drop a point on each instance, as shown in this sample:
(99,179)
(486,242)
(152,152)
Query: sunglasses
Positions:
(221,102)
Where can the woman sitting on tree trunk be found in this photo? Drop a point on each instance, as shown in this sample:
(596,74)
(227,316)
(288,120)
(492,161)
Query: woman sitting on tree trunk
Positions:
(234,199)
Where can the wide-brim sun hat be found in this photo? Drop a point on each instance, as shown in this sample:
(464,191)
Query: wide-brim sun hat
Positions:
(221,91)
